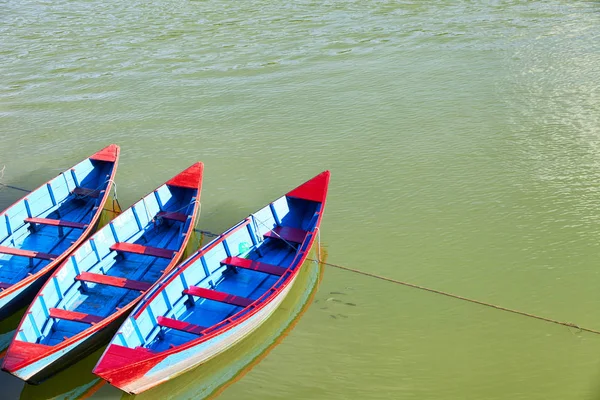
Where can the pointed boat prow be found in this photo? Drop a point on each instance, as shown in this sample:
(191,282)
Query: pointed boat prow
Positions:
(110,154)
(190,178)
(314,189)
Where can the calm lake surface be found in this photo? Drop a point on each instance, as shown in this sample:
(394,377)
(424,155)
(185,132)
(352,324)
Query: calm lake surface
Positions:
(463,139)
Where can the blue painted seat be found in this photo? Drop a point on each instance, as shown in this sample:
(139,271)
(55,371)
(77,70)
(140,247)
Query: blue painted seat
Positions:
(218,296)
(246,263)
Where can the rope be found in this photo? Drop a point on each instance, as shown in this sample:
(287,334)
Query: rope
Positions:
(10,186)
(412,285)
(207,233)
(14,187)
(276,234)
(319,245)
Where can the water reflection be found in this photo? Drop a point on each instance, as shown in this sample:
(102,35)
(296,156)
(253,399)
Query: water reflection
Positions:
(75,382)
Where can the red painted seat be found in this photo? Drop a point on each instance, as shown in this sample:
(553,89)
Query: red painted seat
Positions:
(218,296)
(113,281)
(56,222)
(246,263)
(59,313)
(85,192)
(179,325)
(287,233)
(27,253)
(173,216)
(144,250)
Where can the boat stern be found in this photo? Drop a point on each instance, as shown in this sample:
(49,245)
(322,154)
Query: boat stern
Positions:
(122,366)
(24,360)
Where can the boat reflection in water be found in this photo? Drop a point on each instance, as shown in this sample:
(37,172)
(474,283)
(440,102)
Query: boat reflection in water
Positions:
(208,379)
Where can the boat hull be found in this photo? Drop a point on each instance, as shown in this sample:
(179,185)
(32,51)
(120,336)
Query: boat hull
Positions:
(47,367)
(179,363)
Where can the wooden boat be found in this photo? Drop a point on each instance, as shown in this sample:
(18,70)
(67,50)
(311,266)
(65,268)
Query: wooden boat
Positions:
(39,231)
(217,296)
(92,291)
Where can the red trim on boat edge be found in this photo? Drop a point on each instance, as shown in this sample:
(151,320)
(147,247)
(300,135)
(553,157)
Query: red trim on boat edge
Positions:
(314,189)
(21,352)
(122,365)
(109,153)
(190,178)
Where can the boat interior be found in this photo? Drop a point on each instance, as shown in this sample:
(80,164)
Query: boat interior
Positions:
(40,227)
(111,269)
(214,287)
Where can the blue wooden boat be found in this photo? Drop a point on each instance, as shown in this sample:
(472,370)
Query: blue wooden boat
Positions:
(39,231)
(217,296)
(92,291)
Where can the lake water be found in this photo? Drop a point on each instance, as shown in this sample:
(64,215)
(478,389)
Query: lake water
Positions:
(463,139)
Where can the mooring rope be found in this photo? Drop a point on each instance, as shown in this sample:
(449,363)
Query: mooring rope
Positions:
(2,184)
(455,296)
(414,286)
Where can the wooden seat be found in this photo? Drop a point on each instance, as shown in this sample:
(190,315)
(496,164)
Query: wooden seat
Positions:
(27,253)
(179,325)
(246,263)
(144,250)
(56,222)
(67,315)
(113,281)
(173,216)
(287,233)
(218,296)
(85,192)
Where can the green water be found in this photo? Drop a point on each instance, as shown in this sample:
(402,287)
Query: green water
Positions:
(463,139)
